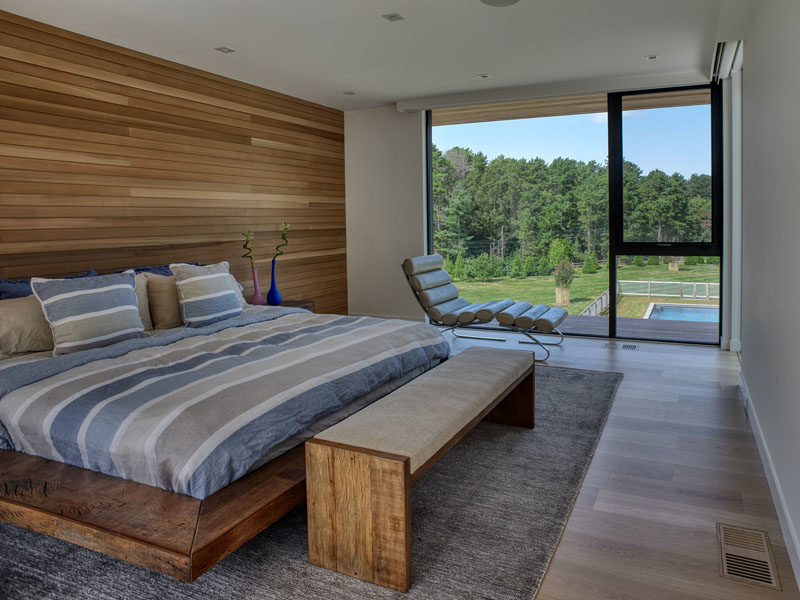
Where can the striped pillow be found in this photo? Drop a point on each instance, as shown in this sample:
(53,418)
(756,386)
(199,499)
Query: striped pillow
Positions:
(90,312)
(206,294)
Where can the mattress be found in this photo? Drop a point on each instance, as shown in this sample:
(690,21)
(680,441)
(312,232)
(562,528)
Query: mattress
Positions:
(192,411)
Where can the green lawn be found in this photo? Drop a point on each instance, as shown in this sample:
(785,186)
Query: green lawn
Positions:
(584,289)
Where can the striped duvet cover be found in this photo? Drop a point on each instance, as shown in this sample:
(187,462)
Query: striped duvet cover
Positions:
(195,413)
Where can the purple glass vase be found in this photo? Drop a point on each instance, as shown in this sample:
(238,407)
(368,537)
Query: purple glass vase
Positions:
(257,297)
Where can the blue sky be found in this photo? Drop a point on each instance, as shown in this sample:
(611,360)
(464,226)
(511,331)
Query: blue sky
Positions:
(675,140)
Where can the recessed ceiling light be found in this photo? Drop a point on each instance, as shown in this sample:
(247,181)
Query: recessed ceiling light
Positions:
(499,2)
(651,57)
(393,17)
(349,93)
(482,76)
(224,49)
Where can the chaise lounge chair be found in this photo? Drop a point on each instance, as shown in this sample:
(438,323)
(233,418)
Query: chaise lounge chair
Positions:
(439,298)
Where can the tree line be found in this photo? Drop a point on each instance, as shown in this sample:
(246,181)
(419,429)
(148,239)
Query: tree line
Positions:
(525,214)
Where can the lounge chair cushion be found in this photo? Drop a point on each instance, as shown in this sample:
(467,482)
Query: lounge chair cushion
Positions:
(468,315)
(437,312)
(527,319)
(507,316)
(421,264)
(429,279)
(437,295)
(551,319)
(488,313)
(451,318)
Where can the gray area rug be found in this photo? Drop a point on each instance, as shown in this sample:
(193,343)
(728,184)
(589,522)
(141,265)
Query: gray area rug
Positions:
(486,520)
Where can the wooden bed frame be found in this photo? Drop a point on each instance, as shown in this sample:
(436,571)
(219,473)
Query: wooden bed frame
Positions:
(163,531)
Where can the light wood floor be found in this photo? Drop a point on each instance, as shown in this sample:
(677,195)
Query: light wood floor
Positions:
(676,456)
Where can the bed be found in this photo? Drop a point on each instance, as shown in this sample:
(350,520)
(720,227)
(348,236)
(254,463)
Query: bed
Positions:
(171,450)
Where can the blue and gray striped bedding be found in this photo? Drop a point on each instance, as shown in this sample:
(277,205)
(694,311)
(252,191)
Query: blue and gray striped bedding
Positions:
(194,409)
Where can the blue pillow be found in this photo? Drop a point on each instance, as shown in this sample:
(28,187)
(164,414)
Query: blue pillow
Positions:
(21,288)
(162,270)
(14,289)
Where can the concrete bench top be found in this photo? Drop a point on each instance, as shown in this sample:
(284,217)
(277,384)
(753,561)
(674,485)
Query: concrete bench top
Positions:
(418,419)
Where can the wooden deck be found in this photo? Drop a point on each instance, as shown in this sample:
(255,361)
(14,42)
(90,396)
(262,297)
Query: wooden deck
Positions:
(646,329)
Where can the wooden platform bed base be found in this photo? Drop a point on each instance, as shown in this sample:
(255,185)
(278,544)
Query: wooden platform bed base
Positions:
(144,525)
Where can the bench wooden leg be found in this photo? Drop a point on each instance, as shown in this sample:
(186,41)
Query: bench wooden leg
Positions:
(359,513)
(518,407)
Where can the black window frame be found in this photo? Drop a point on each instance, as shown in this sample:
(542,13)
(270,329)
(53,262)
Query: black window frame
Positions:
(616,244)
(615,181)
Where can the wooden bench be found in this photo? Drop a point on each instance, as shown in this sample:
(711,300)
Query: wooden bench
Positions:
(359,472)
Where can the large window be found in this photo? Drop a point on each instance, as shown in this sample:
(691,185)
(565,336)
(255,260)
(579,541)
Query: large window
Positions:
(512,198)
(666,214)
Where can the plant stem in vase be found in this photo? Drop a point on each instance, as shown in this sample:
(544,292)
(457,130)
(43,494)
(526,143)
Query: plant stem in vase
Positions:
(257,298)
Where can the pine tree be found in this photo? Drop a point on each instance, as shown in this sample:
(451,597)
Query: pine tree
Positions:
(458,267)
(516,268)
(590,264)
(529,265)
(448,265)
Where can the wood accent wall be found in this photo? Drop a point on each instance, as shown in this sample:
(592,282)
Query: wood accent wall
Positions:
(110,159)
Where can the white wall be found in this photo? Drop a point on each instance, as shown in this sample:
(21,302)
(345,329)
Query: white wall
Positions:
(771,250)
(385,189)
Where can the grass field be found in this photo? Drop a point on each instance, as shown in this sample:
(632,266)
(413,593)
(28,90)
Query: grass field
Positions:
(585,288)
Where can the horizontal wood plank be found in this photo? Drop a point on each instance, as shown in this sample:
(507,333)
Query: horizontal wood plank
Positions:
(113,159)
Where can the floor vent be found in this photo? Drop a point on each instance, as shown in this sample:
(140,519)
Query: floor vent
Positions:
(617,346)
(746,555)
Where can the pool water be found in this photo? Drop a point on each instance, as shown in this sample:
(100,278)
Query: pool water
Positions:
(682,312)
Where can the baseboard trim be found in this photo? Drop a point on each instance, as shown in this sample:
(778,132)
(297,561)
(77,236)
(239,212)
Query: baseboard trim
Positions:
(735,345)
(790,536)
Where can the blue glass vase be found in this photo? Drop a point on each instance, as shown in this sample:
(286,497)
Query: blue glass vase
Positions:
(273,296)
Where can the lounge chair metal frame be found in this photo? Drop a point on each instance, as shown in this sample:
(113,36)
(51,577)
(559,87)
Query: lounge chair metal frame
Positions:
(528,333)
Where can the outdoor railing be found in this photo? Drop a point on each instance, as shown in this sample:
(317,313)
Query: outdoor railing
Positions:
(600,304)
(695,290)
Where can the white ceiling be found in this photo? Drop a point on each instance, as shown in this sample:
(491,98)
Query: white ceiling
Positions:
(315,49)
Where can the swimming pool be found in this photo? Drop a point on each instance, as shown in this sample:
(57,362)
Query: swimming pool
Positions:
(699,313)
